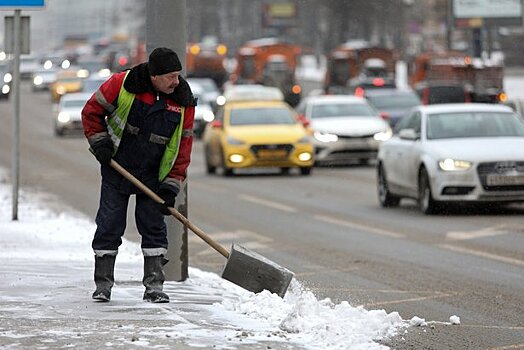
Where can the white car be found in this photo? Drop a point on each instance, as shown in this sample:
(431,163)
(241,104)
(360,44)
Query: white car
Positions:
(345,128)
(464,152)
(69,112)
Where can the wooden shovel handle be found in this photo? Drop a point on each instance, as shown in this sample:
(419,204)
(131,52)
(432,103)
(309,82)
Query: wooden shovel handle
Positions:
(215,245)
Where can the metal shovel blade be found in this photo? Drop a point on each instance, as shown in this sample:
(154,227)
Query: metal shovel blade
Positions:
(255,273)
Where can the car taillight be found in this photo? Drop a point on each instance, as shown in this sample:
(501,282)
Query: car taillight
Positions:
(359,92)
(467,97)
(378,82)
(425,96)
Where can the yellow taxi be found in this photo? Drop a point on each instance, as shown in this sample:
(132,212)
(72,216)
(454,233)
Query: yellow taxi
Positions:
(255,128)
(66,81)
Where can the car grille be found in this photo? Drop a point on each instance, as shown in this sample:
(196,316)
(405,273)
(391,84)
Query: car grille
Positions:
(346,137)
(502,176)
(278,151)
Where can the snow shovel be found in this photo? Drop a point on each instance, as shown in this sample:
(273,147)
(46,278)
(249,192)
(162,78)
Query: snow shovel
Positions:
(244,267)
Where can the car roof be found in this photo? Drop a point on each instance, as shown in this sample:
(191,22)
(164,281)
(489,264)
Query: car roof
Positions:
(252,92)
(326,99)
(464,107)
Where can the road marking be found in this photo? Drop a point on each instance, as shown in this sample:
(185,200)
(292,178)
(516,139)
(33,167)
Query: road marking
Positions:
(358,226)
(496,257)
(508,347)
(466,235)
(398,301)
(267,203)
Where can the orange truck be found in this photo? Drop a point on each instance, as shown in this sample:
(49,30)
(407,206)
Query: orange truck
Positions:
(206,59)
(270,62)
(357,61)
(482,79)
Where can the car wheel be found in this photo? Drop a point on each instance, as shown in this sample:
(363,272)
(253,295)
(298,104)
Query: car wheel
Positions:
(210,169)
(227,171)
(59,131)
(426,202)
(305,170)
(386,198)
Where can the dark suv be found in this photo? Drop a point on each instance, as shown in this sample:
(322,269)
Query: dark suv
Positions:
(442,92)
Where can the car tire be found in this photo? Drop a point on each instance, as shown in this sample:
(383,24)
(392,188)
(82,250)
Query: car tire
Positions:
(426,203)
(385,197)
(59,132)
(305,170)
(227,171)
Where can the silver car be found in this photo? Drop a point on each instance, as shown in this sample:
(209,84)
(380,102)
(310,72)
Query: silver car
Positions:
(69,112)
(464,152)
(345,128)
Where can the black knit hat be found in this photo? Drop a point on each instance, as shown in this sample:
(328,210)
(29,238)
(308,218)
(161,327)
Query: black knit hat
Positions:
(162,61)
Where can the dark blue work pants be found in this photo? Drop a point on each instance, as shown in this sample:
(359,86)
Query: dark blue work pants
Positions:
(112,215)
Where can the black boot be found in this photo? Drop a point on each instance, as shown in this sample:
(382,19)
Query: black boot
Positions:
(104,277)
(154,279)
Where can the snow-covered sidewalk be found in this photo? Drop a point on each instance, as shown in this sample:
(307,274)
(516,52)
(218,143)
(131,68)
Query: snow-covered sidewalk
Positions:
(46,269)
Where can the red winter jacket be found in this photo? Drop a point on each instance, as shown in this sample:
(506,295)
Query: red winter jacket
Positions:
(138,82)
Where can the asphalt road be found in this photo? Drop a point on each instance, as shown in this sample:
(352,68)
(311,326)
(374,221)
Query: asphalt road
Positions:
(329,229)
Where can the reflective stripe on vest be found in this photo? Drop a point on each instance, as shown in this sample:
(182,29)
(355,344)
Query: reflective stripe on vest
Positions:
(117,123)
(171,152)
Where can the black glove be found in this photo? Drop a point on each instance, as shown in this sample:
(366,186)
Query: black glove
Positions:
(169,197)
(103,150)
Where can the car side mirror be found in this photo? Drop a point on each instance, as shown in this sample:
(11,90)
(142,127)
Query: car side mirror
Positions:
(408,134)
(301,118)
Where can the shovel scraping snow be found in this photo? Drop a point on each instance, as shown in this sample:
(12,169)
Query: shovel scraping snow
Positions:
(244,267)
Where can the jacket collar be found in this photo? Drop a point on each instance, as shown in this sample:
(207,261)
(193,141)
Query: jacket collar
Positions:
(138,81)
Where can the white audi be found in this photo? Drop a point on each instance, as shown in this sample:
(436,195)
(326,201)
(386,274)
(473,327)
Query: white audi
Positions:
(453,153)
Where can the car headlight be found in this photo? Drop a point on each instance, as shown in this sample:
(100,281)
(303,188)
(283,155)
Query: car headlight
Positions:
(383,135)
(60,90)
(449,164)
(208,116)
(6,89)
(63,117)
(325,137)
(8,77)
(38,80)
(234,141)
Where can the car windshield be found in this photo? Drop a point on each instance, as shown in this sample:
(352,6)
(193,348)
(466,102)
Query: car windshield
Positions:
(474,124)
(74,103)
(91,85)
(342,110)
(394,101)
(259,116)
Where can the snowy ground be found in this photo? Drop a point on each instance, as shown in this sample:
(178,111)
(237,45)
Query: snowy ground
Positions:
(46,267)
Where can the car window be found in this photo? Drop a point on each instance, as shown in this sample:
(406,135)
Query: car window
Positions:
(74,103)
(412,121)
(394,101)
(256,116)
(446,94)
(474,124)
(219,115)
(342,110)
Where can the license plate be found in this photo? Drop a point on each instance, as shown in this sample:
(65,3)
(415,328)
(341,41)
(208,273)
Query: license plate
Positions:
(272,153)
(505,180)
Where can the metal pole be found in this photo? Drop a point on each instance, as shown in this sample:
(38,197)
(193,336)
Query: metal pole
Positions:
(15,158)
(166,26)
